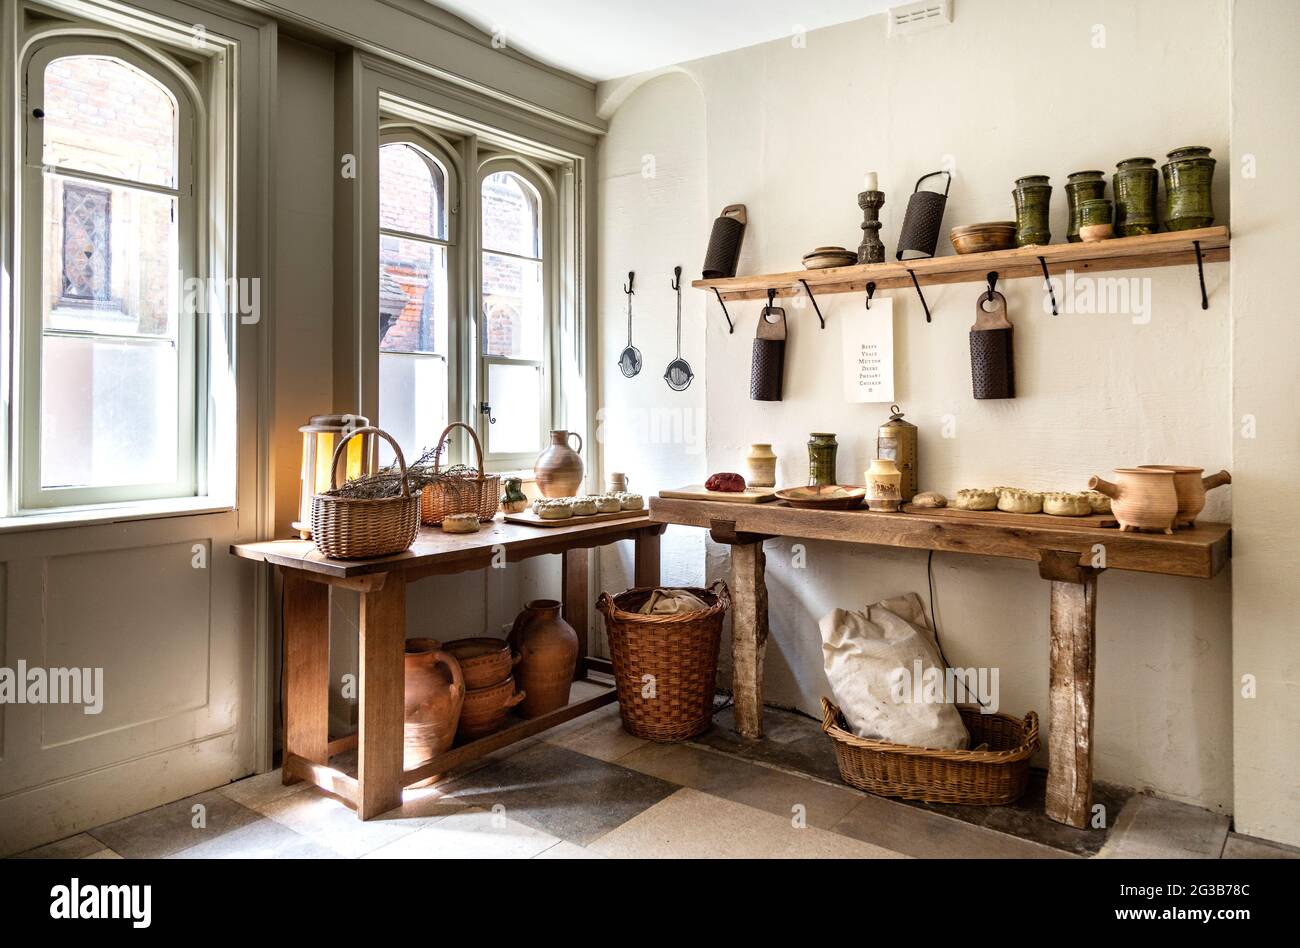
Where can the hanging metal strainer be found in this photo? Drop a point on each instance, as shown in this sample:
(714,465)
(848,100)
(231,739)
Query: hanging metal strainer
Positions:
(629,362)
(678,375)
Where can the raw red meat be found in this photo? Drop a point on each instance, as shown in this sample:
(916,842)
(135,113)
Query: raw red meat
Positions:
(730,483)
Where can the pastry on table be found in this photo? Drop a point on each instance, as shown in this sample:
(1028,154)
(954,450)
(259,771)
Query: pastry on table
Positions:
(976,498)
(583,506)
(1098,501)
(929,498)
(554,510)
(1015,500)
(460,523)
(608,503)
(1066,504)
(630,501)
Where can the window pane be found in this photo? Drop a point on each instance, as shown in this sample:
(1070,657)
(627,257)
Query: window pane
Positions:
(110,261)
(412,402)
(412,296)
(513,310)
(105,116)
(510,215)
(109,413)
(412,191)
(515,394)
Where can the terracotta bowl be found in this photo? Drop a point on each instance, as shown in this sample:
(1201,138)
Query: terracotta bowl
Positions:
(485,709)
(483,661)
(980,238)
(829,497)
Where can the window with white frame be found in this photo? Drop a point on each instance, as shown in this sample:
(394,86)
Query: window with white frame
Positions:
(108,380)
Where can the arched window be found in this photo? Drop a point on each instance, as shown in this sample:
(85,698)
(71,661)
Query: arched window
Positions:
(516,313)
(110,412)
(415,250)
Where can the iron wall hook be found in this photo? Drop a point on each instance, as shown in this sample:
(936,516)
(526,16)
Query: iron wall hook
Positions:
(1047,281)
(871,291)
(818,309)
(731,327)
(631,278)
(1200,273)
(992,278)
(677,278)
(924,306)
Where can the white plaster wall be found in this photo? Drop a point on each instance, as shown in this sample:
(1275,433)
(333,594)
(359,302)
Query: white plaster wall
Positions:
(1266,391)
(653,216)
(1008,89)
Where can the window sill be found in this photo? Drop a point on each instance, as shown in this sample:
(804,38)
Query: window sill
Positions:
(113,513)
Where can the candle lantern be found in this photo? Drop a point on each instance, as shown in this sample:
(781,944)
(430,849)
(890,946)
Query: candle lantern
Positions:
(896,441)
(319,438)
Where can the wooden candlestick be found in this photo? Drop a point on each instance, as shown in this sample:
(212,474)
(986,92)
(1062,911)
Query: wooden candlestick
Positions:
(871,250)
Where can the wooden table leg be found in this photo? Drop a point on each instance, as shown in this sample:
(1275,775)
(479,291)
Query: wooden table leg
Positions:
(1070,696)
(382,697)
(645,570)
(573,581)
(306,669)
(748,636)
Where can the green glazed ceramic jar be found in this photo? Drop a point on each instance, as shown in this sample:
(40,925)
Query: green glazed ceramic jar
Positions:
(1136,184)
(1188,174)
(822,448)
(1081,186)
(1095,211)
(1033,195)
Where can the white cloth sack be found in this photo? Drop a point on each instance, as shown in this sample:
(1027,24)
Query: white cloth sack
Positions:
(866,651)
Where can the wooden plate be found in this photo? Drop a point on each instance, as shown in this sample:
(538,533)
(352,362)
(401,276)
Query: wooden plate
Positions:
(979,238)
(830,497)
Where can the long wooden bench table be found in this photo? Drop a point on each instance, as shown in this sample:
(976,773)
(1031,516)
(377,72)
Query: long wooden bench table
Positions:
(381,583)
(1070,552)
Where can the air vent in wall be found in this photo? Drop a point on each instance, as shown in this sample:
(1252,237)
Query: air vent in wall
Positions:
(915,17)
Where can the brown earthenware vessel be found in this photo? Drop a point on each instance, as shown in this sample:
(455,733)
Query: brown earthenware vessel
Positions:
(483,661)
(485,709)
(1190,487)
(558,469)
(435,695)
(1143,498)
(548,650)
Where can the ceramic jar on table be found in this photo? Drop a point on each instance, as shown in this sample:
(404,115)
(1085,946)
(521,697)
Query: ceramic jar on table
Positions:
(1141,498)
(548,655)
(822,451)
(760,466)
(559,468)
(1191,488)
(884,490)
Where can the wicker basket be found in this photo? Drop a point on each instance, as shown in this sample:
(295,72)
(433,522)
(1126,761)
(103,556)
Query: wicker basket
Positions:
(458,495)
(354,528)
(680,652)
(976,778)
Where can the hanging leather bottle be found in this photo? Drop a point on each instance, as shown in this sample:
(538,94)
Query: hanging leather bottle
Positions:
(768,364)
(992,368)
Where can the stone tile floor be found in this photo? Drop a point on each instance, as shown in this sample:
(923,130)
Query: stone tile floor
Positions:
(591,790)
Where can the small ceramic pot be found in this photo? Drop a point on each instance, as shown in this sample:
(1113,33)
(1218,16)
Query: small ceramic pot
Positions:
(548,655)
(760,466)
(483,661)
(1135,185)
(1033,197)
(485,709)
(1190,487)
(1081,186)
(1143,498)
(884,485)
(1188,175)
(617,482)
(513,499)
(822,450)
(558,469)
(435,695)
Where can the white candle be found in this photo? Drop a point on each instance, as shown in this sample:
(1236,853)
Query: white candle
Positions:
(869,181)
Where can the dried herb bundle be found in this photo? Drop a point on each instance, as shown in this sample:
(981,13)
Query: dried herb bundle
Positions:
(387,481)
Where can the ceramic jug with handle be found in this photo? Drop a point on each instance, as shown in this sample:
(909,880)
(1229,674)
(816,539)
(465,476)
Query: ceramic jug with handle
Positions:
(435,692)
(559,468)
(1143,498)
(1190,487)
(548,654)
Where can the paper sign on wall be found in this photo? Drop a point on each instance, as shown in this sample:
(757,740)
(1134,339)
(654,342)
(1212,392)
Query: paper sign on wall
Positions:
(868,337)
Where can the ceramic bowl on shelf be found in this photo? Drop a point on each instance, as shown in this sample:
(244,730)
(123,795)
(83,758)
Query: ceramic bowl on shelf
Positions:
(980,238)
(824,257)
(827,497)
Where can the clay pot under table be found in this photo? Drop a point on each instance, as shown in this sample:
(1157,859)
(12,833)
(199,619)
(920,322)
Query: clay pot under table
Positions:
(1143,498)
(1190,487)
(483,661)
(548,654)
(485,709)
(435,695)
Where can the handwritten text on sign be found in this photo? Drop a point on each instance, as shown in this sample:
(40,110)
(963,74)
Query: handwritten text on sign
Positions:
(869,353)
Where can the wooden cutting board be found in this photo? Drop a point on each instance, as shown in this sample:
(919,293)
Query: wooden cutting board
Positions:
(1003,519)
(527,516)
(750,495)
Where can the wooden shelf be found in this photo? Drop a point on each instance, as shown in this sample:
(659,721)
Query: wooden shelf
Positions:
(1121,253)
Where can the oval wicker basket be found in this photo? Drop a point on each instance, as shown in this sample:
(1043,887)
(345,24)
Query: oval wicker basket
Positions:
(679,653)
(457,495)
(974,777)
(354,528)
